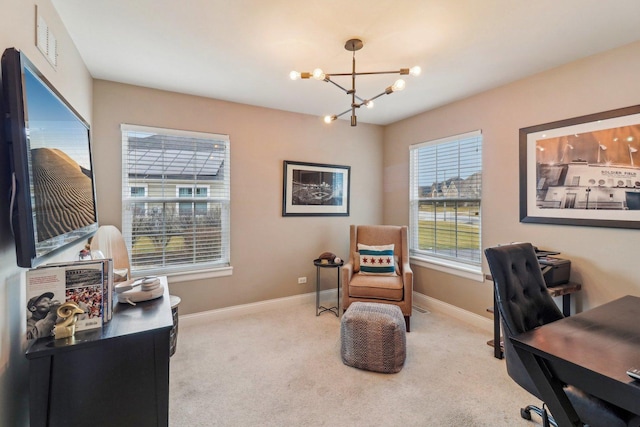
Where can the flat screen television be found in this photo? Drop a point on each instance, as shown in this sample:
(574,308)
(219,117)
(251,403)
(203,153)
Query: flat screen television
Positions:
(53,198)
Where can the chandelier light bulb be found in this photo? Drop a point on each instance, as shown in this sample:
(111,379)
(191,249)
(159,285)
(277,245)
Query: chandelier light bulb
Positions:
(294,75)
(318,74)
(329,119)
(415,71)
(369,104)
(398,85)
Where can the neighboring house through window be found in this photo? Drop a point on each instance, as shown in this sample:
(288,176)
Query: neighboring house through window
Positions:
(445,204)
(191,208)
(176,199)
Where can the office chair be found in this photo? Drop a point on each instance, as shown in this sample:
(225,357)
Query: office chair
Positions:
(524,304)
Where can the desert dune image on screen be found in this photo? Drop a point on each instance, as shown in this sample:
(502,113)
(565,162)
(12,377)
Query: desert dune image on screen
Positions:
(60,164)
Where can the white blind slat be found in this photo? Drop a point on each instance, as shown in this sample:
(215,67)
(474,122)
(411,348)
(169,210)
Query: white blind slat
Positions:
(445,198)
(176,195)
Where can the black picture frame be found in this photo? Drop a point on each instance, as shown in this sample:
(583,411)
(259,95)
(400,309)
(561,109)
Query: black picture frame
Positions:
(315,189)
(581,171)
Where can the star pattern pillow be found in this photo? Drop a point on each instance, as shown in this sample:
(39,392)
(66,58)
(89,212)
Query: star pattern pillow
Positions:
(377,259)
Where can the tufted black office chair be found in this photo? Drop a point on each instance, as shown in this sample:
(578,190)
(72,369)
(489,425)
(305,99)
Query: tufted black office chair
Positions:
(524,304)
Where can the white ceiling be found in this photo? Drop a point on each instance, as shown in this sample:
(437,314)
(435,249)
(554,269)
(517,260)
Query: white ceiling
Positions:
(243,50)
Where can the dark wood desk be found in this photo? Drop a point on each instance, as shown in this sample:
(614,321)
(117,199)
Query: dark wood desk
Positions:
(592,351)
(117,375)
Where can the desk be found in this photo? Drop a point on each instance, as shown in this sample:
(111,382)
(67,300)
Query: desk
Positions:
(320,309)
(117,375)
(592,351)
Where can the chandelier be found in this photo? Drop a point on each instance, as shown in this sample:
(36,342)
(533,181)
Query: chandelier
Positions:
(354,45)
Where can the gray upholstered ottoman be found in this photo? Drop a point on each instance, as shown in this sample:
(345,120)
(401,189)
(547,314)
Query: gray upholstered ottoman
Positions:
(373,337)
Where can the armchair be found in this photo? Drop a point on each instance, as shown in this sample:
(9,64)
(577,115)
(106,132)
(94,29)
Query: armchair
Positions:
(389,288)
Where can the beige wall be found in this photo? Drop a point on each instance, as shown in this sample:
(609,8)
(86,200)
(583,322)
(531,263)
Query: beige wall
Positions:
(604,260)
(268,251)
(71,78)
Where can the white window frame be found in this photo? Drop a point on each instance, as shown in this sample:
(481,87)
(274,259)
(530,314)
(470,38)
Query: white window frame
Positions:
(470,269)
(185,271)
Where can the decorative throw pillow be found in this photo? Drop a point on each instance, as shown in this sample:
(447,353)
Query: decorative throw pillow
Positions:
(377,259)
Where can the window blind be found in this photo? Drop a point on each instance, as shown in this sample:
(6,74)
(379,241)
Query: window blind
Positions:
(175,199)
(445,198)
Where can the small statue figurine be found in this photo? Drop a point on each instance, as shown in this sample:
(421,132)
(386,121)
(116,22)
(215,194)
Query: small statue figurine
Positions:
(68,312)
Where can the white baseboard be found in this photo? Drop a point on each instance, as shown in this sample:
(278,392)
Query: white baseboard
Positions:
(424,301)
(419,300)
(255,307)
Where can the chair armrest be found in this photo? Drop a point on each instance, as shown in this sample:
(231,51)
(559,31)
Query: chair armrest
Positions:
(407,280)
(347,273)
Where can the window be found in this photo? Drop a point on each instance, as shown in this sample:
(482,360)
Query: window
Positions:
(175,199)
(191,208)
(445,201)
(140,191)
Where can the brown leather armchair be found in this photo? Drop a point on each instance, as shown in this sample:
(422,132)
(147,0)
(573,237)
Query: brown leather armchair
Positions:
(395,288)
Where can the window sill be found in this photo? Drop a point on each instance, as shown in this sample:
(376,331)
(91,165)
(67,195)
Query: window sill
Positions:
(450,267)
(187,276)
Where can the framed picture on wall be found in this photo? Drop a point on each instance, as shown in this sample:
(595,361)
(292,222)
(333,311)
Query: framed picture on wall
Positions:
(315,189)
(582,171)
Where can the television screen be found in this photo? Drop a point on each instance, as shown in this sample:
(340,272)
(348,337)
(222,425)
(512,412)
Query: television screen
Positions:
(53,200)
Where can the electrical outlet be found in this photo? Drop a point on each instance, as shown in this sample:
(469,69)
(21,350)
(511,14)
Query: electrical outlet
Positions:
(302,280)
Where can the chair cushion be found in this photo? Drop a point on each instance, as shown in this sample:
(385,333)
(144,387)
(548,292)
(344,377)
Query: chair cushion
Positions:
(376,286)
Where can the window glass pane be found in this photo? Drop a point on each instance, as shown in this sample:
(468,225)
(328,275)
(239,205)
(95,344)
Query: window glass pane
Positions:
(446,187)
(162,167)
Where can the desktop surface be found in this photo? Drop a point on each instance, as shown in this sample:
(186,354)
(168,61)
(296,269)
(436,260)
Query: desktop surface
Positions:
(593,350)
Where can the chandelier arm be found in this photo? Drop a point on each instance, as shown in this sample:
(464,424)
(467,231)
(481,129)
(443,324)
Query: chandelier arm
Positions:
(378,96)
(336,84)
(343,113)
(344,89)
(362,73)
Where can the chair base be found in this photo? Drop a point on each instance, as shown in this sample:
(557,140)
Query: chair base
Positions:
(547,419)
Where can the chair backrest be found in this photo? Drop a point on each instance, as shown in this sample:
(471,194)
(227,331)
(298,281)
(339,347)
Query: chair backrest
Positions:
(522,300)
(520,289)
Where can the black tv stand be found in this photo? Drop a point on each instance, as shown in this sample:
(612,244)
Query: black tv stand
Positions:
(114,376)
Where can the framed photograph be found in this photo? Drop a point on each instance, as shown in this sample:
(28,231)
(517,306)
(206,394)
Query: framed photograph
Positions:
(314,189)
(582,171)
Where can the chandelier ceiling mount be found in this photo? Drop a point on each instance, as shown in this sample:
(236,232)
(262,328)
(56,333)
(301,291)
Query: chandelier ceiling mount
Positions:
(353,45)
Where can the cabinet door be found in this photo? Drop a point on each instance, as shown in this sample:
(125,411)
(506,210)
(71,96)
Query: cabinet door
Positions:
(117,382)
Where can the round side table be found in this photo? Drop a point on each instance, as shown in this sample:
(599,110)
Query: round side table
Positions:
(319,264)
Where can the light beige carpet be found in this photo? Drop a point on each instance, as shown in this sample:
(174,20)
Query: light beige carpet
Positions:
(283,368)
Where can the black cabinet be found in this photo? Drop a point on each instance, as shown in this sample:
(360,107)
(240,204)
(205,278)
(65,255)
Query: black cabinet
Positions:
(114,376)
